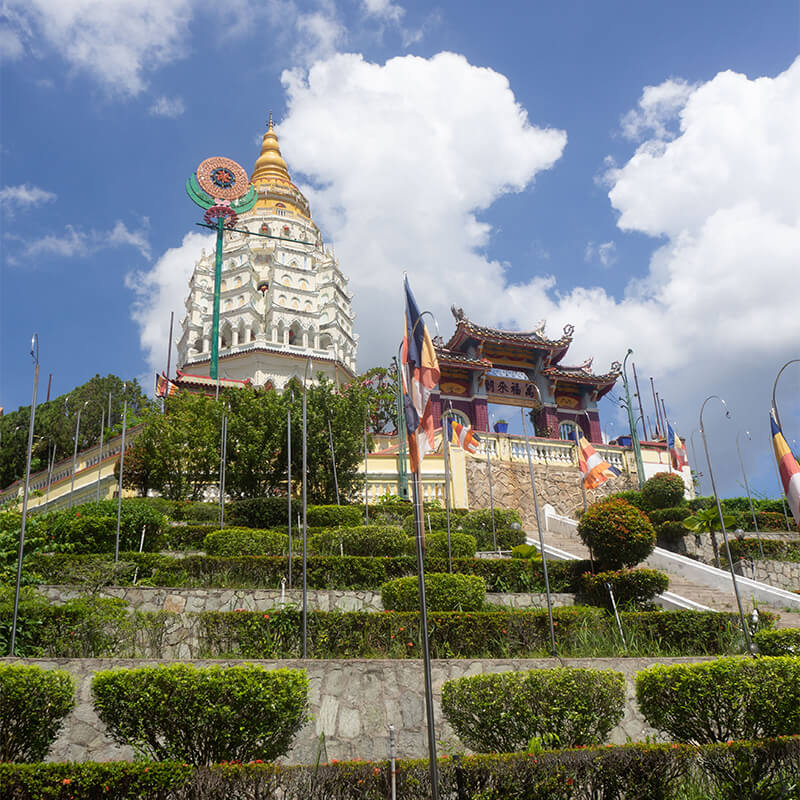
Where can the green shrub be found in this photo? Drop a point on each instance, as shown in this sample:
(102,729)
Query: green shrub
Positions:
(335,516)
(525,551)
(631,496)
(730,698)
(203,715)
(188,537)
(32,610)
(372,540)
(259,512)
(671,514)
(780,642)
(462,545)
(773,549)
(33,705)
(480,520)
(194,511)
(246,542)
(618,534)
(663,490)
(563,706)
(633,588)
(443,592)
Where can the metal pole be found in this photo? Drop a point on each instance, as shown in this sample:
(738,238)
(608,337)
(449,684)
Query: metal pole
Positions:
(639,398)
(747,489)
(775,386)
(745,629)
(169,361)
(305,513)
(109,410)
(75,452)
(49,384)
(637,450)
(655,403)
(616,614)
(426,655)
(333,461)
(392,764)
(51,464)
(215,318)
(121,468)
(446,441)
(366,477)
(35,356)
(402,474)
(100,455)
(491,494)
(223,454)
(289,480)
(541,536)
(780,486)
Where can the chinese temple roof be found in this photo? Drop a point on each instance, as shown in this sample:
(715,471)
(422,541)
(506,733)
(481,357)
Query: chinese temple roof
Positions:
(186,379)
(583,375)
(530,340)
(459,359)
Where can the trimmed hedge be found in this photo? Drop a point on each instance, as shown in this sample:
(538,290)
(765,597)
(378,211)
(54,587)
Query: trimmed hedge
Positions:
(663,490)
(730,698)
(203,715)
(525,551)
(773,548)
(246,542)
(443,592)
(763,769)
(780,642)
(632,496)
(670,514)
(270,512)
(618,533)
(476,634)
(365,541)
(188,537)
(566,706)
(33,705)
(462,545)
(633,588)
(324,572)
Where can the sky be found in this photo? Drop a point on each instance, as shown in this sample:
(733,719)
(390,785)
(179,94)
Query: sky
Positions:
(629,168)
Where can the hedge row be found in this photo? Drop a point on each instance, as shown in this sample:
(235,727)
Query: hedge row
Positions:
(443,592)
(763,769)
(579,631)
(780,642)
(773,548)
(265,572)
(632,588)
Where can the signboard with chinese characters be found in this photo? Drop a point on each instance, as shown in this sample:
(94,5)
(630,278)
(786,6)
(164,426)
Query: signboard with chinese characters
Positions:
(511,391)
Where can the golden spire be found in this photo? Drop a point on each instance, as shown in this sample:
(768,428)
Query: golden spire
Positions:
(270,163)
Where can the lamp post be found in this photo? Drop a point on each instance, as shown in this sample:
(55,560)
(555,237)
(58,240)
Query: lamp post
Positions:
(637,450)
(747,489)
(35,357)
(75,451)
(775,386)
(745,629)
(309,365)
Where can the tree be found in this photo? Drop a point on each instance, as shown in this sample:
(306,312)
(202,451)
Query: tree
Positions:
(706,520)
(381,386)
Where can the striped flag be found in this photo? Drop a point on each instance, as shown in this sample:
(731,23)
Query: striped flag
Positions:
(593,466)
(420,371)
(164,386)
(677,450)
(463,436)
(788,468)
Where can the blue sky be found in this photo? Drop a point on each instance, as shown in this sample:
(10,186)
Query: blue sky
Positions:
(628,168)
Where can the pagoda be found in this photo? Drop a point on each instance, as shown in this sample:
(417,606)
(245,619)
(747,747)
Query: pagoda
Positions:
(283,299)
(481,365)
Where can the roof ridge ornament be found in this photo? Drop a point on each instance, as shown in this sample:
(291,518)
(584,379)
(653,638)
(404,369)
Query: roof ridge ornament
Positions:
(458,314)
(569,330)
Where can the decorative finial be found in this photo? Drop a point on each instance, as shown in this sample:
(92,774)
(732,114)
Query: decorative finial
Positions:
(269,124)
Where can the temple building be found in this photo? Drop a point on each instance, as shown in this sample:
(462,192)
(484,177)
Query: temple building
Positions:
(481,365)
(283,299)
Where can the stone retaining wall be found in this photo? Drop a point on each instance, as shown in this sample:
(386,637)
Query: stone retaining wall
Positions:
(145,598)
(352,703)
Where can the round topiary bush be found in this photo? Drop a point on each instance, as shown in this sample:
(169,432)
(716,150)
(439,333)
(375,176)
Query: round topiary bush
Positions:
(364,540)
(618,534)
(203,715)
(443,592)
(462,545)
(246,542)
(663,490)
(33,704)
(565,707)
(633,588)
(525,551)
(724,699)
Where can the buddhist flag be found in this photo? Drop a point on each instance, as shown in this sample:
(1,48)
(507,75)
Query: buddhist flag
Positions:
(420,371)
(463,436)
(788,468)
(677,450)
(593,466)
(164,386)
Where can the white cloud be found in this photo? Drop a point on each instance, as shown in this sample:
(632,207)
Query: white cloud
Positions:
(75,243)
(658,107)
(605,253)
(23,196)
(171,107)
(319,34)
(117,42)
(383,9)
(161,290)
(11,46)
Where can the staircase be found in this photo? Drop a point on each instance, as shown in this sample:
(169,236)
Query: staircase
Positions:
(692,585)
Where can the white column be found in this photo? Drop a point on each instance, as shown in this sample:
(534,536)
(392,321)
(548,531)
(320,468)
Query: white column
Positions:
(235,336)
(206,345)
(248,332)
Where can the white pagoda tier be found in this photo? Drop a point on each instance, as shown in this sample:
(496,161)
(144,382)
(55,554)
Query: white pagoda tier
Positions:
(282,300)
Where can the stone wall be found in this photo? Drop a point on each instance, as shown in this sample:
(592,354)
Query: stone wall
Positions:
(352,703)
(558,486)
(144,598)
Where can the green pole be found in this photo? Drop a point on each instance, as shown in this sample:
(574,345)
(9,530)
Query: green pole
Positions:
(637,450)
(217,281)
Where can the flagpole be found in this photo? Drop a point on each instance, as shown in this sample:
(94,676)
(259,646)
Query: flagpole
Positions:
(289,479)
(305,512)
(491,494)
(445,439)
(333,461)
(100,456)
(747,489)
(366,477)
(745,629)
(541,536)
(775,386)
(121,467)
